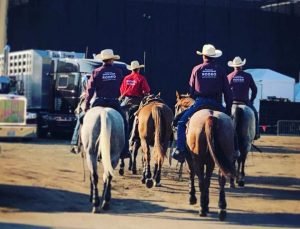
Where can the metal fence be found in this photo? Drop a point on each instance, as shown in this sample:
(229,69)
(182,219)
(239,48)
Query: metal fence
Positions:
(288,127)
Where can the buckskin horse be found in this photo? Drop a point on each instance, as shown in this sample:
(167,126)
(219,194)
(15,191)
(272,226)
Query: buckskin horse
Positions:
(102,135)
(210,141)
(154,129)
(244,123)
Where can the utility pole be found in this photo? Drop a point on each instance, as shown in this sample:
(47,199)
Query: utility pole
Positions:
(3,23)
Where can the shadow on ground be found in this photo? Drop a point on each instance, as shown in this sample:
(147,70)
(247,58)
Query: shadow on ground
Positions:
(16,198)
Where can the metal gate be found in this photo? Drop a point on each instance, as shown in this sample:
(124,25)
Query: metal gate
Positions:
(288,127)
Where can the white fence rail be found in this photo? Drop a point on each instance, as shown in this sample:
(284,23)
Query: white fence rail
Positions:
(288,127)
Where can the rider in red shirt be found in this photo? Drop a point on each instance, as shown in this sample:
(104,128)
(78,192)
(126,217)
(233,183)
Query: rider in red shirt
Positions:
(134,84)
(133,88)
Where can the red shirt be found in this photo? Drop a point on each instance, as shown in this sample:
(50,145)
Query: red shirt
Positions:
(134,84)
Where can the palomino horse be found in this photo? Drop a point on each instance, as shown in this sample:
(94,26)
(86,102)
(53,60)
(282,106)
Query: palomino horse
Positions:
(244,123)
(154,129)
(210,141)
(102,135)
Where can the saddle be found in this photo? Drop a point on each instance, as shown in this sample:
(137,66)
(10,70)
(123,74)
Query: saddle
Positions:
(149,99)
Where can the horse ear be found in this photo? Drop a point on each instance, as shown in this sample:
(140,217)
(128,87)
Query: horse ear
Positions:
(177,95)
(158,95)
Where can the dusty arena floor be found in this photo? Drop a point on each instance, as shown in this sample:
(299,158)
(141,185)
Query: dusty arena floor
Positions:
(41,186)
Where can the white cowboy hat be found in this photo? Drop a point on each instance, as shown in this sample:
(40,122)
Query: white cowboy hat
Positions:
(237,62)
(107,54)
(210,51)
(134,65)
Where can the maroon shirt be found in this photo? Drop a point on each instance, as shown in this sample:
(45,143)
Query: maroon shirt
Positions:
(240,82)
(105,81)
(209,80)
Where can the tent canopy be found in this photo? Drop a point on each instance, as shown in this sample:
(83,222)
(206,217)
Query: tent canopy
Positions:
(263,74)
(297,92)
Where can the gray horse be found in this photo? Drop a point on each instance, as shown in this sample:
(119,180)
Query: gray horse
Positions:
(102,136)
(244,124)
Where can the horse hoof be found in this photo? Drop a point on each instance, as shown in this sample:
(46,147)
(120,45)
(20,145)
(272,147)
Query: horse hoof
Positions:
(143,180)
(193,200)
(149,183)
(203,213)
(222,215)
(134,172)
(121,172)
(105,205)
(232,185)
(95,210)
(241,183)
(157,184)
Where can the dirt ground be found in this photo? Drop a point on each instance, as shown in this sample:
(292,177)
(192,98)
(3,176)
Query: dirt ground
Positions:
(41,186)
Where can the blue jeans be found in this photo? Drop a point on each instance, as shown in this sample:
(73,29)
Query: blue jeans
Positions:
(200,103)
(75,136)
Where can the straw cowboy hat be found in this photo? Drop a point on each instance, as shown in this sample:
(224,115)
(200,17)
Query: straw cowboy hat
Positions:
(107,54)
(210,51)
(134,65)
(237,62)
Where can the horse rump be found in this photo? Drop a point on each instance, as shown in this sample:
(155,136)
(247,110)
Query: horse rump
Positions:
(215,149)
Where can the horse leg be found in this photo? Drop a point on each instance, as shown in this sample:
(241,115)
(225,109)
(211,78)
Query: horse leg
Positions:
(146,150)
(241,182)
(232,184)
(238,171)
(192,192)
(92,165)
(200,173)
(222,199)
(143,179)
(136,147)
(122,165)
(209,169)
(157,176)
(106,195)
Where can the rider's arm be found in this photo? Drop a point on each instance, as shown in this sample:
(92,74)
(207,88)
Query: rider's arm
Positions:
(227,93)
(253,89)
(90,90)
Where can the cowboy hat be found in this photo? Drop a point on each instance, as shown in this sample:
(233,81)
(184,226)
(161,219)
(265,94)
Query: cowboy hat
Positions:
(237,62)
(210,51)
(107,54)
(134,65)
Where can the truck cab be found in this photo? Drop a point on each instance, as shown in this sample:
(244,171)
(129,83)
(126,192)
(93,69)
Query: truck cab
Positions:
(66,79)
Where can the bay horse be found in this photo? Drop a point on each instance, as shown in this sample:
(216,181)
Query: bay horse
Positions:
(102,135)
(244,124)
(210,141)
(154,129)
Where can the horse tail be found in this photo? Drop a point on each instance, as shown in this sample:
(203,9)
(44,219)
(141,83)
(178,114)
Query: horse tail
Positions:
(157,118)
(238,116)
(224,164)
(105,146)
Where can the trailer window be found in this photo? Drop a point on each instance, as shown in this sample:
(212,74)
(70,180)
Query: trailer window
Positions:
(63,81)
(66,81)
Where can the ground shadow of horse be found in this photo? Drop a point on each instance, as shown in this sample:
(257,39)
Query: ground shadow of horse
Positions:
(278,149)
(273,220)
(21,226)
(270,189)
(38,199)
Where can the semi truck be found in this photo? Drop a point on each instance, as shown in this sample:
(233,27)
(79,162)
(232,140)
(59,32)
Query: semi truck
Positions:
(50,81)
(29,90)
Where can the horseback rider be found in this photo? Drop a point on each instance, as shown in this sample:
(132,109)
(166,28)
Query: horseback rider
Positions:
(133,88)
(207,84)
(79,111)
(240,82)
(105,82)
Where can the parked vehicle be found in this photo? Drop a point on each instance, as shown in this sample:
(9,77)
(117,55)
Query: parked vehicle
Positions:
(50,82)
